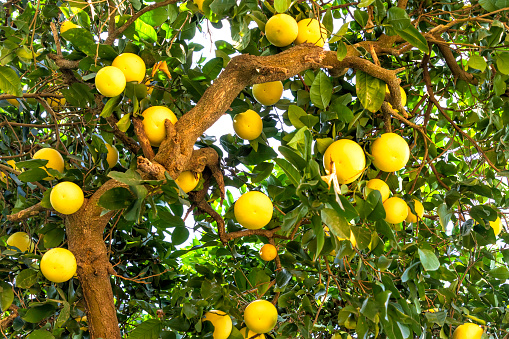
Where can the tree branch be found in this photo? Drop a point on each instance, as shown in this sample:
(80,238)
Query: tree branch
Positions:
(26,213)
(148,152)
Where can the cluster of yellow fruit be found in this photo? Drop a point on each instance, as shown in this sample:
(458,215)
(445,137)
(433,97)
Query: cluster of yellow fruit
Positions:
(57,265)
(282,29)
(110,81)
(260,317)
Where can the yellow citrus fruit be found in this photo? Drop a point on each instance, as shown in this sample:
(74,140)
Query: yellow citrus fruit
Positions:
(468,331)
(381,186)
(396,210)
(112,156)
(58,265)
(352,239)
(496,225)
(4,176)
(348,158)
(199,3)
(13,102)
(56,102)
(260,316)
(247,334)
(253,210)
(311,31)
(281,30)
(55,160)
(222,323)
(131,65)
(268,252)
(188,180)
(153,123)
(110,81)
(150,88)
(21,241)
(67,25)
(390,152)
(66,197)
(268,93)
(403,94)
(248,125)
(419,209)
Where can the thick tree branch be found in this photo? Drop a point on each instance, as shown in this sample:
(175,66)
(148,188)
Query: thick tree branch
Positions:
(128,142)
(26,213)
(148,152)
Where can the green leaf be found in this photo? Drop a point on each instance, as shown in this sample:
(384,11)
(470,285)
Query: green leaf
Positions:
(9,81)
(429,260)
(444,215)
(282,6)
(361,17)
(221,6)
(33,175)
(398,18)
(488,5)
(110,106)
(337,224)
(144,31)
(323,143)
(6,296)
(342,51)
(124,123)
(292,157)
(502,4)
(328,21)
(291,172)
(155,17)
(365,3)
(149,329)
(65,314)
(40,334)
(39,313)
(415,38)
(480,212)
(321,90)
(54,237)
(436,317)
(499,85)
(116,198)
(212,68)
(294,114)
(130,177)
(501,273)
(26,278)
(283,277)
(477,62)
(179,235)
(370,90)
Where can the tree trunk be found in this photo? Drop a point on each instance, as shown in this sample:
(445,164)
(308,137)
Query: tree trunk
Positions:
(85,230)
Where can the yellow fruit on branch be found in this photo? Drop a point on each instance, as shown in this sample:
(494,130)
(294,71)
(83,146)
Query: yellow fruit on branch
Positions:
(390,152)
(497,226)
(222,323)
(403,95)
(253,210)
(58,265)
(248,125)
(131,65)
(56,102)
(55,160)
(153,123)
(67,25)
(396,210)
(468,331)
(260,316)
(419,209)
(199,4)
(110,81)
(379,185)
(4,176)
(13,102)
(188,180)
(21,241)
(281,30)
(268,93)
(268,252)
(347,157)
(111,156)
(311,31)
(248,334)
(66,197)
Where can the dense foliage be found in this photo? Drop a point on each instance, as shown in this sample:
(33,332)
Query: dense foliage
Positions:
(411,280)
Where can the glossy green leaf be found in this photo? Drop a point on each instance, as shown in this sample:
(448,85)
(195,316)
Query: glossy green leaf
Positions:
(9,81)
(26,278)
(398,18)
(40,334)
(415,38)
(321,90)
(429,260)
(6,296)
(370,90)
(149,329)
(477,62)
(282,6)
(116,198)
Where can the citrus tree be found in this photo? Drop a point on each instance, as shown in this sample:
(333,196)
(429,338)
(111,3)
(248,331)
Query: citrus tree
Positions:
(369,161)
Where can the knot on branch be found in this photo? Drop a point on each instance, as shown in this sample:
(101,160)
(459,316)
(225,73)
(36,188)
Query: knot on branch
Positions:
(152,169)
(63,63)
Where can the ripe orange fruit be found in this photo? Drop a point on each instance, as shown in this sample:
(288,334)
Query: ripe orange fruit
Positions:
(497,226)
(311,31)
(260,316)
(112,156)
(268,252)
(131,65)
(396,210)
(58,265)
(348,159)
(248,125)
(66,197)
(222,323)
(268,93)
(188,180)
(110,81)
(419,209)
(281,30)
(390,152)
(153,123)
(253,210)
(55,160)
(468,331)
(381,186)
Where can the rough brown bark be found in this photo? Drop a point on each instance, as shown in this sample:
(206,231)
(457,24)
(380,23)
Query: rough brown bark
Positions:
(85,235)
